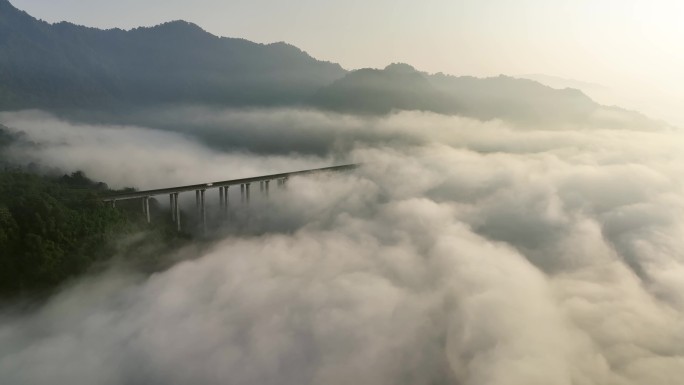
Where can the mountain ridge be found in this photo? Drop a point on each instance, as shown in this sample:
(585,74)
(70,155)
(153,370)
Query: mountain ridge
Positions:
(64,66)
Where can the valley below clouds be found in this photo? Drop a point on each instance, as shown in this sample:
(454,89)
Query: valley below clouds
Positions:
(460,252)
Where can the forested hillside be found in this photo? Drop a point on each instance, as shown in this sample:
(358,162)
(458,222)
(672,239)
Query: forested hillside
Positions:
(56,228)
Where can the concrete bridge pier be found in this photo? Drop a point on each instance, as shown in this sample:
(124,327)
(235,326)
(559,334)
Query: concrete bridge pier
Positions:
(146,208)
(225,201)
(266,183)
(198,202)
(172,207)
(247,192)
(176,210)
(203,211)
(242,193)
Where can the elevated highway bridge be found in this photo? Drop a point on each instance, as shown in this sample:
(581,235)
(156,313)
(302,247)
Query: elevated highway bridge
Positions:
(222,186)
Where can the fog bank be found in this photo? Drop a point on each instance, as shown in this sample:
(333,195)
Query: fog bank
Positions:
(461,252)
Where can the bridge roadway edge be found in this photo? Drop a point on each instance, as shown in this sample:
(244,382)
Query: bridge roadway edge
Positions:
(225,183)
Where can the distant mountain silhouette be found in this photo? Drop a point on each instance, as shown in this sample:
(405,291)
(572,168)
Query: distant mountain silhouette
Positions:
(66,66)
(372,91)
(560,82)
(400,86)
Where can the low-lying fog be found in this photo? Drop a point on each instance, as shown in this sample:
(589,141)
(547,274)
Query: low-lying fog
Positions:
(461,252)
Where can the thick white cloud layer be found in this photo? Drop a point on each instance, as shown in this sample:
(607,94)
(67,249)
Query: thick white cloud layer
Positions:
(133,156)
(463,253)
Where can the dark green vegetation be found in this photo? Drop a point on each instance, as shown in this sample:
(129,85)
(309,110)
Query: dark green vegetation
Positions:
(68,68)
(55,228)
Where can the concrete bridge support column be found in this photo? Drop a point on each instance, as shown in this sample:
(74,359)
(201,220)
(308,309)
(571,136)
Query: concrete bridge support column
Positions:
(113,203)
(225,201)
(281,182)
(266,183)
(146,208)
(197,201)
(221,198)
(242,193)
(176,210)
(247,192)
(172,207)
(203,211)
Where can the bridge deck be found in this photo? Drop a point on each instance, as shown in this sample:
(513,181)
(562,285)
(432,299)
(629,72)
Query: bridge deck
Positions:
(232,182)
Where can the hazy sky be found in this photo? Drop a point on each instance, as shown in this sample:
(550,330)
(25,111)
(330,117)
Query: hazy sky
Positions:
(631,46)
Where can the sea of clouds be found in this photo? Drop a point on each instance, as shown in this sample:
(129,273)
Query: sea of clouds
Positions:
(461,252)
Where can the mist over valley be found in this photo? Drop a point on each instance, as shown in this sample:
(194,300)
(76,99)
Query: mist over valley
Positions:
(496,231)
